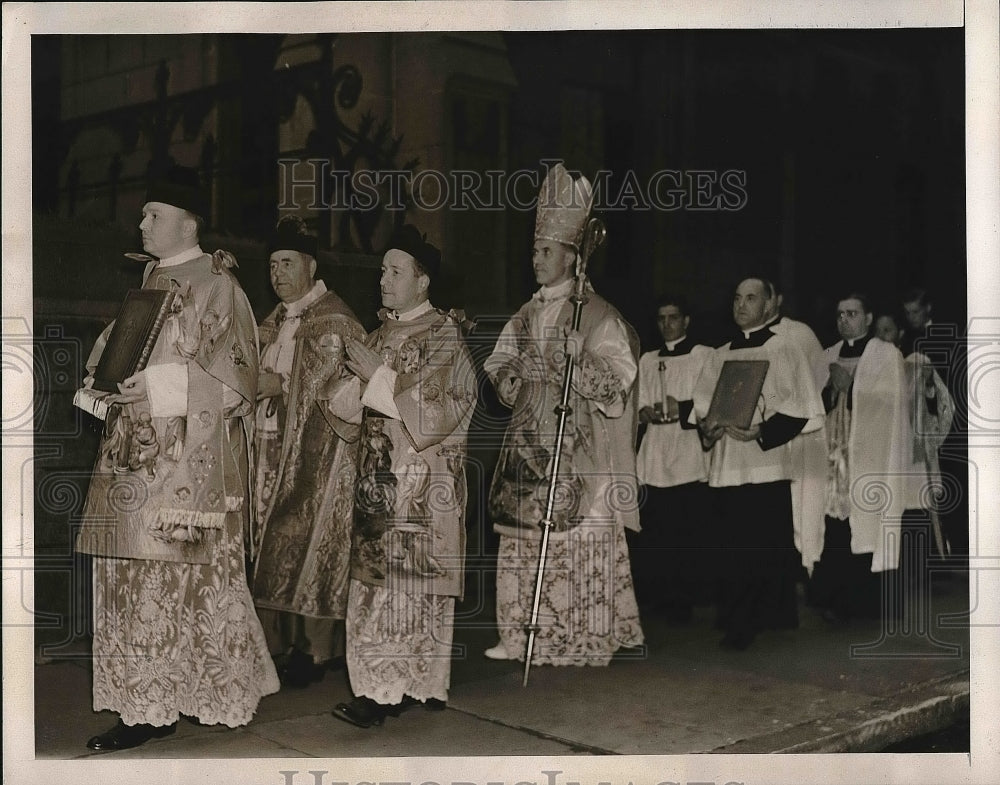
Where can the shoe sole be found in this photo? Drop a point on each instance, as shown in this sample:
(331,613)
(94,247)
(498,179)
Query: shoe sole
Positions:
(160,732)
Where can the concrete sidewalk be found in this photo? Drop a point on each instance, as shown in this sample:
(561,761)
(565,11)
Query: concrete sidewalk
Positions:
(821,688)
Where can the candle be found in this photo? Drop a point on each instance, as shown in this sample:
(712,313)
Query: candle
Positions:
(663,407)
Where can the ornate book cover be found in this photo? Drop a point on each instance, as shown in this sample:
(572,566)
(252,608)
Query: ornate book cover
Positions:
(137,326)
(737,391)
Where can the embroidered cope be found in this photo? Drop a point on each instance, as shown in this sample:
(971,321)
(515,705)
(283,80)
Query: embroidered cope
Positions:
(307,455)
(589,601)
(408,546)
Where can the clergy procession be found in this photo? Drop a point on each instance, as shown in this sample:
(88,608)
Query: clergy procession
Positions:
(274,502)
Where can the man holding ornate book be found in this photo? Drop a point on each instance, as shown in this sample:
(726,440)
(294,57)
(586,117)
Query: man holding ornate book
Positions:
(174,625)
(754,395)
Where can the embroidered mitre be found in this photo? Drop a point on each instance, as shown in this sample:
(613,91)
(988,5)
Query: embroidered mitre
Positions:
(563,207)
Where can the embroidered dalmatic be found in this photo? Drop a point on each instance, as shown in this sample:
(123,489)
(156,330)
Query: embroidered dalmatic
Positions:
(588,608)
(306,464)
(408,545)
(168,505)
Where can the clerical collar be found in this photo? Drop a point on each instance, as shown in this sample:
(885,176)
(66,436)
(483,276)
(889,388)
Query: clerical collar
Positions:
(184,256)
(748,333)
(675,348)
(560,291)
(413,313)
(293,309)
(745,339)
(854,347)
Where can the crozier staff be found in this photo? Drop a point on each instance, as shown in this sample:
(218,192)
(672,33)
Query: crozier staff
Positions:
(597,491)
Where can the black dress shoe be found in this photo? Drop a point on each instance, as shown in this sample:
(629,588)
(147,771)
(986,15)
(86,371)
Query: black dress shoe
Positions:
(408,702)
(363,712)
(299,671)
(124,737)
(336,663)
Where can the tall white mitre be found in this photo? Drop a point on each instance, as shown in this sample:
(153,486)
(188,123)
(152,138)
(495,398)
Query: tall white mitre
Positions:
(563,207)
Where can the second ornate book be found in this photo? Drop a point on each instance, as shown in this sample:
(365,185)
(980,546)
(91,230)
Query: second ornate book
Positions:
(736,393)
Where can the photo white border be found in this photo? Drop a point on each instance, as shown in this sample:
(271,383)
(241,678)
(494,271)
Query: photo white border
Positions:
(982,22)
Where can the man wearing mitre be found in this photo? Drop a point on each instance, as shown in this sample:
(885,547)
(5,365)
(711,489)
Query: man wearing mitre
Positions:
(587,605)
